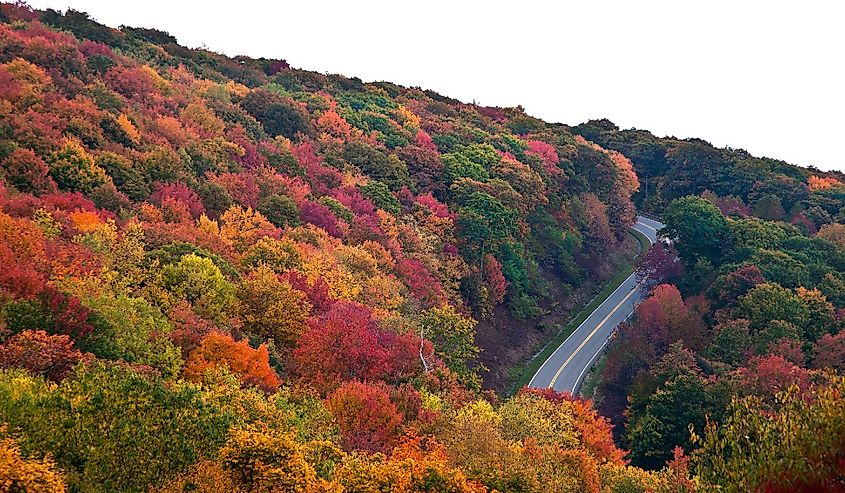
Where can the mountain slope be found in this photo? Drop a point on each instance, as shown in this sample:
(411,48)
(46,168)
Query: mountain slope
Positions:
(227,274)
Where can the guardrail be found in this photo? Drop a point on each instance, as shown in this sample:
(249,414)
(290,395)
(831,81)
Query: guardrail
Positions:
(648,215)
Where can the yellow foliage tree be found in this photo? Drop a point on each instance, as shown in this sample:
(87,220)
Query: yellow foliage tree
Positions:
(26,475)
(271,308)
(242,226)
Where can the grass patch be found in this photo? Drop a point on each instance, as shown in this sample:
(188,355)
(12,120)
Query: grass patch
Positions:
(593,378)
(527,371)
(644,243)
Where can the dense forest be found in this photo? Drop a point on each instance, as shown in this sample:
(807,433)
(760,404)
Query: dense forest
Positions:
(228,274)
(744,317)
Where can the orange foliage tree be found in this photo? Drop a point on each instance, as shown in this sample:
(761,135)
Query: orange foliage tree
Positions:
(252,365)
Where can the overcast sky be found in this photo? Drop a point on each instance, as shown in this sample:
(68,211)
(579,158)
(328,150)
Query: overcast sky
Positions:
(764,76)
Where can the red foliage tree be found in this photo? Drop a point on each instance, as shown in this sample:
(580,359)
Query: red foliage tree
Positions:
(659,265)
(352,198)
(181,193)
(27,172)
(424,166)
(322,177)
(189,329)
(70,317)
(495,279)
(317,291)
(737,283)
(54,356)
(660,315)
(17,278)
(321,216)
(548,154)
(830,351)
(422,139)
(252,157)
(767,375)
(422,284)
(439,209)
(367,418)
(344,344)
(788,349)
(729,206)
(242,187)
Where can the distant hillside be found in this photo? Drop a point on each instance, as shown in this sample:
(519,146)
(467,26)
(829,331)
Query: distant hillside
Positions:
(228,274)
(670,168)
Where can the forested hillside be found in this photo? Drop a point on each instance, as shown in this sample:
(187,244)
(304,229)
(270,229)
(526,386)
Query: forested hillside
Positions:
(743,326)
(228,274)
(737,182)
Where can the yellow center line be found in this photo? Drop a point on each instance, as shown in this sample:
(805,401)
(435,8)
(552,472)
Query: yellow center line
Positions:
(584,343)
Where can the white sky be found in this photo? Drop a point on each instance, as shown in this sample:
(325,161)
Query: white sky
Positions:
(766,76)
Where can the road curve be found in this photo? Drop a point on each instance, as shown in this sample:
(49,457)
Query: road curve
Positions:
(566,367)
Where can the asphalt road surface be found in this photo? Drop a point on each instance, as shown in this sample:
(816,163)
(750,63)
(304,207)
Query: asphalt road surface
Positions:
(566,367)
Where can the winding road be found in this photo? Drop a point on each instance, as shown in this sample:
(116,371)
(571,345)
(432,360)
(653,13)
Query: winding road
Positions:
(564,370)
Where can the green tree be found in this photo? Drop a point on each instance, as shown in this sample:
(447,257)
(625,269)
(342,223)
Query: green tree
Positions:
(132,330)
(381,196)
(781,267)
(731,343)
(375,162)
(198,281)
(660,420)
(457,166)
(280,210)
(669,412)
(767,302)
(769,207)
(453,336)
(485,222)
(109,428)
(752,234)
(698,228)
(74,169)
(797,447)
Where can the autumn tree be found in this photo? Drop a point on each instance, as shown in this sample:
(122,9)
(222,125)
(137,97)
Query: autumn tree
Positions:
(797,447)
(26,474)
(27,172)
(728,288)
(830,351)
(495,279)
(834,233)
(269,307)
(453,337)
(343,344)
(36,351)
(251,365)
(367,418)
(660,265)
(265,461)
